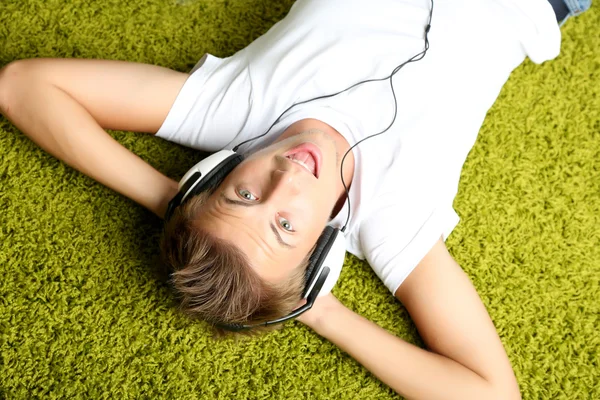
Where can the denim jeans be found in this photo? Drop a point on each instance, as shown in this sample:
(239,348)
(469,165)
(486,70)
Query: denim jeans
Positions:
(564,9)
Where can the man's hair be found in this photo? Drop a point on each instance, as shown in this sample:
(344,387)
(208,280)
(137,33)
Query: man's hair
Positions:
(214,279)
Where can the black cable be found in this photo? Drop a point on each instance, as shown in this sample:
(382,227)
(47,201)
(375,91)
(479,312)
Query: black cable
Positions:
(398,68)
(321,280)
(416,57)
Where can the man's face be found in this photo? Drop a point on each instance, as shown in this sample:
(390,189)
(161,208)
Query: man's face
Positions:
(276,203)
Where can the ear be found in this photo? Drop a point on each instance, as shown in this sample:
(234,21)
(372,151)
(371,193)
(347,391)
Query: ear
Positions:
(214,177)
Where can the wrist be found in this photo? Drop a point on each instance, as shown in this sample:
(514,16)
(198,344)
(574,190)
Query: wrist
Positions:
(171,188)
(322,320)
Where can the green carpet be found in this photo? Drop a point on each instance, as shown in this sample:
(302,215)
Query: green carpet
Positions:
(85,311)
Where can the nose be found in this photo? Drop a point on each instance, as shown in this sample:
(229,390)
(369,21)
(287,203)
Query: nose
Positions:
(284,184)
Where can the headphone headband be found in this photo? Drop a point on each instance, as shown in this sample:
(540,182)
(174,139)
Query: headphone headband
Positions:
(205,175)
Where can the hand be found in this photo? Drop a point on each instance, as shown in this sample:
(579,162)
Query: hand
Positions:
(323,306)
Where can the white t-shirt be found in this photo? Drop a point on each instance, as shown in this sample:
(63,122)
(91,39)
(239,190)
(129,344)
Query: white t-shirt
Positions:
(406,179)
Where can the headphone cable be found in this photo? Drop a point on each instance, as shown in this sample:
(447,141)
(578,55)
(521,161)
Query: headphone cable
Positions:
(417,57)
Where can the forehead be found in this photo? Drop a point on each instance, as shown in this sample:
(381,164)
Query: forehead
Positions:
(247,229)
(232,203)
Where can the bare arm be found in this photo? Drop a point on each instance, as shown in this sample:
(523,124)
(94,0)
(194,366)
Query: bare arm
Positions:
(64,105)
(466,359)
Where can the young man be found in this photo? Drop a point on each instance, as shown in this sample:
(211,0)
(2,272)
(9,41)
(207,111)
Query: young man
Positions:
(271,209)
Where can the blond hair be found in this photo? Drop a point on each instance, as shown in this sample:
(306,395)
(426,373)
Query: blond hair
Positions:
(214,279)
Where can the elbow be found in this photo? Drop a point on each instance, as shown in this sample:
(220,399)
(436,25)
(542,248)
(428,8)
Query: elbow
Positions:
(509,395)
(4,89)
(10,77)
(506,392)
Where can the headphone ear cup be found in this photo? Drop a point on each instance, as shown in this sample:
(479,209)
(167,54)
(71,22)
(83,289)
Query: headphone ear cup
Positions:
(206,175)
(213,178)
(321,255)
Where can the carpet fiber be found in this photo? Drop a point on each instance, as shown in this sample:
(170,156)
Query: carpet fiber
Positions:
(85,311)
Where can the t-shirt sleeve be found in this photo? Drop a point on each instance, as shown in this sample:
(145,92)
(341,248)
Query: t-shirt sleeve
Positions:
(213,106)
(396,238)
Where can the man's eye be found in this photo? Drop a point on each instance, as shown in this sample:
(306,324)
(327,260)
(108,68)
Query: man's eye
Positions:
(246,194)
(285,224)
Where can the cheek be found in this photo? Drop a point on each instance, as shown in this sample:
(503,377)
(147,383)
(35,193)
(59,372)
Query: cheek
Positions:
(321,209)
(312,202)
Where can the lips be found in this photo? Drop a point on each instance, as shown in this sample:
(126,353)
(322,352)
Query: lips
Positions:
(306,155)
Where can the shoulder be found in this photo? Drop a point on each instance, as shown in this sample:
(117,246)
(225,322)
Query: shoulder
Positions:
(395,240)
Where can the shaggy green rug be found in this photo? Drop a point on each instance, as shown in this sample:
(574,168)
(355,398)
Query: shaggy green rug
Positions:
(84,308)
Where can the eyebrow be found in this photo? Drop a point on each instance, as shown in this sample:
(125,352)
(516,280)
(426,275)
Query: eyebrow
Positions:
(273,228)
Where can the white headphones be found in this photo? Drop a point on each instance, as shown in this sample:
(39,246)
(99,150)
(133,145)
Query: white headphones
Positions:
(326,261)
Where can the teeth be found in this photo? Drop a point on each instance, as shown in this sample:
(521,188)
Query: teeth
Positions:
(301,163)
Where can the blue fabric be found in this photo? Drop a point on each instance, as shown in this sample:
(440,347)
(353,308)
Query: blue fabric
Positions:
(576,7)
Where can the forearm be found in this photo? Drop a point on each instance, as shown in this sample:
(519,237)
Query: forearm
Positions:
(409,370)
(61,126)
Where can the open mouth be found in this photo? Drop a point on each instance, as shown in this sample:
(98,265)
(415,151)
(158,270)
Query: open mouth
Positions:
(308,156)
